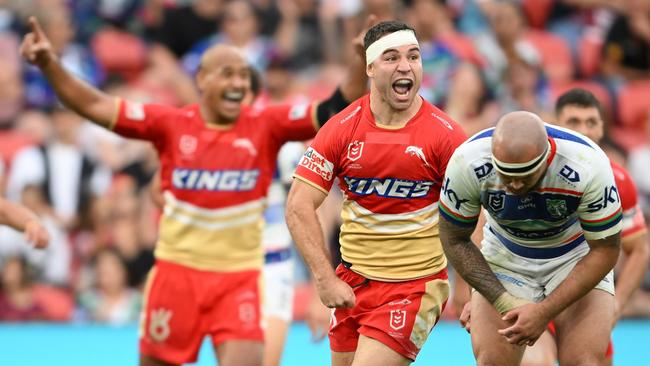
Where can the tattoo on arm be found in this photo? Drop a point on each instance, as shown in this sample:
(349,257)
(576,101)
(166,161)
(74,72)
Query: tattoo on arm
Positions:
(468,260)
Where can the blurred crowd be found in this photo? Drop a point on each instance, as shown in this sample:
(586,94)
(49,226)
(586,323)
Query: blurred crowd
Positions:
(481,58)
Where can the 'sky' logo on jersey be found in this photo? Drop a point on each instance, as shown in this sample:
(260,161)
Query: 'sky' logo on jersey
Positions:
(610,196)
(355,149)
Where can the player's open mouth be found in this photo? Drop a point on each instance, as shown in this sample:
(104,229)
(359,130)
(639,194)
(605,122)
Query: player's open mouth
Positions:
(402,87)
(235,97)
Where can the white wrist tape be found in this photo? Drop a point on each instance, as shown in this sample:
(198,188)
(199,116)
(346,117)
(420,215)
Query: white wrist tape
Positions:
(395,39)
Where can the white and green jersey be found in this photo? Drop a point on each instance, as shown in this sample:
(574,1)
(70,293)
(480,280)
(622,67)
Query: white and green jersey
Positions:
(576,199)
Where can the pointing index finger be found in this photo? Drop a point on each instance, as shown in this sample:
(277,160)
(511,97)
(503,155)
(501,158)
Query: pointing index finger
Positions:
(36,29)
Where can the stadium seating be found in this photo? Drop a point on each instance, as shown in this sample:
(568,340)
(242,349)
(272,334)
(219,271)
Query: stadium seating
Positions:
(633,111)
(597,89)
(537,11)
(589,51)
(556,56)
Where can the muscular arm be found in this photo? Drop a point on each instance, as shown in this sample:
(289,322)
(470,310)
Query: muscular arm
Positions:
(303,223)
(468,260)
(77,95)
(587,273)
(462,291)
(637,256)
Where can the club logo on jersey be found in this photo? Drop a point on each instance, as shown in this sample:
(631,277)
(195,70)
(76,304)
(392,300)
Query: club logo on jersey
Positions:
(159,324)
(389,187)
(569,174)
(609,197)
(298,112)
(215,180)
(557,208)
(496,201)
(317,163)
(397,319)
(246,144)
(187,144)
(134,111)
(483,170)
(417,151)
(355,149)
(452,196)
(443,120)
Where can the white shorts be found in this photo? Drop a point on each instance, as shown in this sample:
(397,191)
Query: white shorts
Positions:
(532,278)
(278,289)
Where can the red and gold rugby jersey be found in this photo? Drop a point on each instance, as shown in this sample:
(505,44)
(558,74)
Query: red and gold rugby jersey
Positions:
(391,179)
(633,222)
(214,179)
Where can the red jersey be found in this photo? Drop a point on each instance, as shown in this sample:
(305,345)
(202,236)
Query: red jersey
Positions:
(214,179)
(633,220)
(391,178)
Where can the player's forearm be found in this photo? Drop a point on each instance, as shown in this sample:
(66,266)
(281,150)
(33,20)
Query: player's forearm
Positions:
(468,260)
(586,274)
(637,258)
(307,234)
(79,96)
(15,215)
(471,265)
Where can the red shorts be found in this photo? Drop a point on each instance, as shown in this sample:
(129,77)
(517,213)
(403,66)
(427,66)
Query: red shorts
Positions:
(397,314)
(610,346)
(183,305)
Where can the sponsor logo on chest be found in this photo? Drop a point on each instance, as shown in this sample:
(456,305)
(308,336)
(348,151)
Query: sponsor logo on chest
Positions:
(215,180)
(388,187)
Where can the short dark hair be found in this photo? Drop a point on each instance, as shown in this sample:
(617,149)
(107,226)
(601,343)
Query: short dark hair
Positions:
(580,97)
(383,28)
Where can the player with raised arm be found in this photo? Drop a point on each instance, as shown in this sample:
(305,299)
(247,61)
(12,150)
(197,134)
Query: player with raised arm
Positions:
(217,158)
(549,244)
(389,151)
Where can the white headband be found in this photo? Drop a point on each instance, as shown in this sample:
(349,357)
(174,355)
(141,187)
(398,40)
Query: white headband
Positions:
(521,169)
(395,39)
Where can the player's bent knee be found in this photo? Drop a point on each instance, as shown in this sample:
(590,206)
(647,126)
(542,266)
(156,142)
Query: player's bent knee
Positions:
(484,358)
(582,360)
(240,353)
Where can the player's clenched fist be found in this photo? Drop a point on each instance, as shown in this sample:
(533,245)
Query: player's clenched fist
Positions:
(334,293)
(36,234)
(36,48)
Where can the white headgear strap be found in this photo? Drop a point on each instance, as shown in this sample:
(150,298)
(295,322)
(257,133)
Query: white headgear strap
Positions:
(521,169)
(395,39)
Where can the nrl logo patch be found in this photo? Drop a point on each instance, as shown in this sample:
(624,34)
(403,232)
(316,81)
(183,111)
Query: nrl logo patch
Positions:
(397,319)
(496,201)
(355,149)
(187,144)
(557,208)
